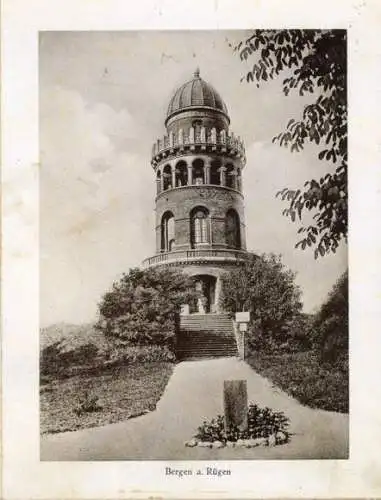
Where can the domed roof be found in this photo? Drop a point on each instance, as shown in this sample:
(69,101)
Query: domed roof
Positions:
(196,93)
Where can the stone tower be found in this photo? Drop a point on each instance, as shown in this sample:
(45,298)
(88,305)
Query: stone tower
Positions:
(200,222)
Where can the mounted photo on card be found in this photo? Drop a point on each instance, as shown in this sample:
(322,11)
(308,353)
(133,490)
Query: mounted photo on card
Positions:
(193,246)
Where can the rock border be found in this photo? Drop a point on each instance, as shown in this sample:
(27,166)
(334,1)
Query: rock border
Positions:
(273,440)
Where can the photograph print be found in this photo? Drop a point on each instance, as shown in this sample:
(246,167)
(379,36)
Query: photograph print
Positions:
(193,245)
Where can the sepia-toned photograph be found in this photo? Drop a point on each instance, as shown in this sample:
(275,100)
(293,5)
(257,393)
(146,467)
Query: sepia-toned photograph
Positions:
(193,266)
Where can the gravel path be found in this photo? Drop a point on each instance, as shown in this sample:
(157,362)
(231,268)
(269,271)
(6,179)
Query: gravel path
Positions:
(194,392)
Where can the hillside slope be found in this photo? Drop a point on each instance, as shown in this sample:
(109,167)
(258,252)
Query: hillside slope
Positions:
(71,336)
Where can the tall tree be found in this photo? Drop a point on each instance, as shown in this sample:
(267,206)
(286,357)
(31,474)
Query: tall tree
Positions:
(142,306)
(266,288)
(331,323)
(313,61)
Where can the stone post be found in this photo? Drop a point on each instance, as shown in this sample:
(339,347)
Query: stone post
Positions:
(235,404)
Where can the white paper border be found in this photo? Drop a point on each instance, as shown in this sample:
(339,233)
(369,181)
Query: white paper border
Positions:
(23,475)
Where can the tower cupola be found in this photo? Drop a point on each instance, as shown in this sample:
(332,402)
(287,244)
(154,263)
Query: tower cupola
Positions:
(196,94)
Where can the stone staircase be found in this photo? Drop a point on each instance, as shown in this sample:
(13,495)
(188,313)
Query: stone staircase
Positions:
(206,336)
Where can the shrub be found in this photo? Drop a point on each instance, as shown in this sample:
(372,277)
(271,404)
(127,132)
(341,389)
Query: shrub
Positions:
(139,354)
(331,324)
(266,288)
(56,359)
(297,334)
(142,308)
(59,361)
(87,403)
(212,430)
(305,377)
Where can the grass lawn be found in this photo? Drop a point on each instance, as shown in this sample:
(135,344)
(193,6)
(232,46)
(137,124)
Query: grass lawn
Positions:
(303,376)
(123,391)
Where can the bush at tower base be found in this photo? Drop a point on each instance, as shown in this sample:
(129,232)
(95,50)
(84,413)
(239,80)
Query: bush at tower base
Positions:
(265,287)
(143,306)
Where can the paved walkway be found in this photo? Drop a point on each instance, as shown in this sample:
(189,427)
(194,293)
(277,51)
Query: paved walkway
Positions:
(193,393)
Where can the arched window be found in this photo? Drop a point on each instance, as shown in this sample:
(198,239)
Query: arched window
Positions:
(158,182)
(232,229)
(199,226)
(181,174)
(215,173)
(198,171)
(167,232)
(230,176)
(167,177)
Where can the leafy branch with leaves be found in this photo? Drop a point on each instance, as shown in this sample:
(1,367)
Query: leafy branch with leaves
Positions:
(315,61)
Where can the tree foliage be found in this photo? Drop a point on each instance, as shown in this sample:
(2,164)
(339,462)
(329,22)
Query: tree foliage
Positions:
(314,61)
(142,307)
(331,322)
(266,288)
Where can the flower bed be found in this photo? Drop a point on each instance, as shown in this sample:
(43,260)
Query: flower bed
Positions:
(265,427)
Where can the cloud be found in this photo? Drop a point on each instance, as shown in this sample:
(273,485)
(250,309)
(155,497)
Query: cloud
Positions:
(96,203)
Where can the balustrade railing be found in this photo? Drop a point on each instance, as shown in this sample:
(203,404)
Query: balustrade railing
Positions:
(196,254)
(202,137)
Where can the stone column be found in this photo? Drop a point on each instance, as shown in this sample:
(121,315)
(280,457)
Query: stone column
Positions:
(223,136)
(207,168)
(203,135)
(161,181)
(171,140)
(235,178)
(223,176)
(217,293)
(181,137)
(190,175)
(239,182)
(213,136)
(173,169)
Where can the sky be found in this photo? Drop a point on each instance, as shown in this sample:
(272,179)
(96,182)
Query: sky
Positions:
(103,101)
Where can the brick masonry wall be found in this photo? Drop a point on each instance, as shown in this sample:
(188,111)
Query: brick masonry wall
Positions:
(181,201)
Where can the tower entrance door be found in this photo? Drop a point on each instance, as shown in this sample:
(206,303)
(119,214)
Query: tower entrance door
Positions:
(206,287)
